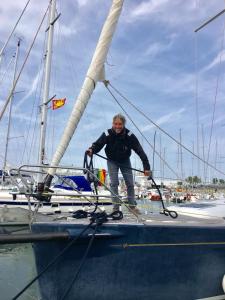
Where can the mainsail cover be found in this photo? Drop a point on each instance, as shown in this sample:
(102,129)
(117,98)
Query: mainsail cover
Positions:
(93,75)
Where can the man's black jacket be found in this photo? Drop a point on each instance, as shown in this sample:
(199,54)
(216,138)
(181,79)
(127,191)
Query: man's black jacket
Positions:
(118,146)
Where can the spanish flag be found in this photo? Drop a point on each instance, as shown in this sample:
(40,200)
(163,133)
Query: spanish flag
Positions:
(57,103)
(101,176)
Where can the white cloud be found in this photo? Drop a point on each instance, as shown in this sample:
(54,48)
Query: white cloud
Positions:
(220,57)
(152,57)
(219,120)
(10,12)
(20,116)
(82,2)
(160,47)
(147,8)
(170,117)
(153,49)
(32,89)
(67,30)
(174,13)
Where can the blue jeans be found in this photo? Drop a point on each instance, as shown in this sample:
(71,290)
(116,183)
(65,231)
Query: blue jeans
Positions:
(113,169)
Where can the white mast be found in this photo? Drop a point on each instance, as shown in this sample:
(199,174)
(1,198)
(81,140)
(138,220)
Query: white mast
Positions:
(181,159)
(46,82)
(93,75)
(10,107)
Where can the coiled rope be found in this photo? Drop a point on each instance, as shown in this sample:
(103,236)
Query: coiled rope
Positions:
(96,220)
(173,214)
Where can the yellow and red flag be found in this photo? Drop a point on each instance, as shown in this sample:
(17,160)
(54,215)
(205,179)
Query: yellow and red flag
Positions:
(57,103)
(101,176)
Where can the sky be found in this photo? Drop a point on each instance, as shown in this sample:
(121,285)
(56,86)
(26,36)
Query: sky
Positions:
(156,60)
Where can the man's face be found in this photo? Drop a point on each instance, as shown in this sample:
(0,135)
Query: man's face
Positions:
(118,126)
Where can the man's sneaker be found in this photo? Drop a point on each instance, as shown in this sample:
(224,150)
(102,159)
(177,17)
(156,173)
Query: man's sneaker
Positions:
(135,210)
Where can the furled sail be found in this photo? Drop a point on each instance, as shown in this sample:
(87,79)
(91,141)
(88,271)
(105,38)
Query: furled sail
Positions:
(94,73)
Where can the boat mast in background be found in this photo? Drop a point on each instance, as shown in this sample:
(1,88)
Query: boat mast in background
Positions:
(94,73)
(153,155)
(47,77)
(10,110)
(14,28)
(181,158)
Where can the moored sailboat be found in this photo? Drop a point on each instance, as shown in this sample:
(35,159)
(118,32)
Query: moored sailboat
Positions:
(133,258)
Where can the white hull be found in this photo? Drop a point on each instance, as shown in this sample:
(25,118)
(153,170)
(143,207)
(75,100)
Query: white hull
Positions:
(58,204)
(202,208)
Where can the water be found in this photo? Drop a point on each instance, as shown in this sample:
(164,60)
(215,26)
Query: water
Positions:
(17,268)
(17,263)
(149,207)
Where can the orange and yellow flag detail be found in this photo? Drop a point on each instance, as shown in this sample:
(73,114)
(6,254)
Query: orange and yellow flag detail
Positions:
(101,176)
(57,103)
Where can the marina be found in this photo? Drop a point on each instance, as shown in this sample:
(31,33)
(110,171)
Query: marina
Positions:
(145,219)
(17,267)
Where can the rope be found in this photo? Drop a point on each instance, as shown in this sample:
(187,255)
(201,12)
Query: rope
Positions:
(81,264)
(101,216)
(90,167)
(140,131)
(97,220)
(59,256)
(121,202)
(173,214)
(161,129)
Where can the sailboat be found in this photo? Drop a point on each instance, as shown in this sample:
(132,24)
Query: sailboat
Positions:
(71,190)
(132,258)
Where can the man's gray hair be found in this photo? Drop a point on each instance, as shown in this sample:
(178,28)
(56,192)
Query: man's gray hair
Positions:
(121,117)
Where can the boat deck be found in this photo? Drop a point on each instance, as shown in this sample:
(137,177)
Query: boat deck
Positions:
(153,219)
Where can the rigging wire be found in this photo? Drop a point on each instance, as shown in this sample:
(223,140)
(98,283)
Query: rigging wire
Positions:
(36,131)
(196,101)
(81,264)
(53,90)
(203,153)
(53,261)
(55,85)
(34,103)
(33,144)
(6,43)
(140,131)
(162,130)
(7,68)
(23,65)
(216,94)
(60,40)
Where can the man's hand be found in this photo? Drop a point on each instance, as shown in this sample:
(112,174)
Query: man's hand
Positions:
(148,173)
(89,152)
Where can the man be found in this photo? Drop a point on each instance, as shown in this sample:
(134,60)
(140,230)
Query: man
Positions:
(119,142)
